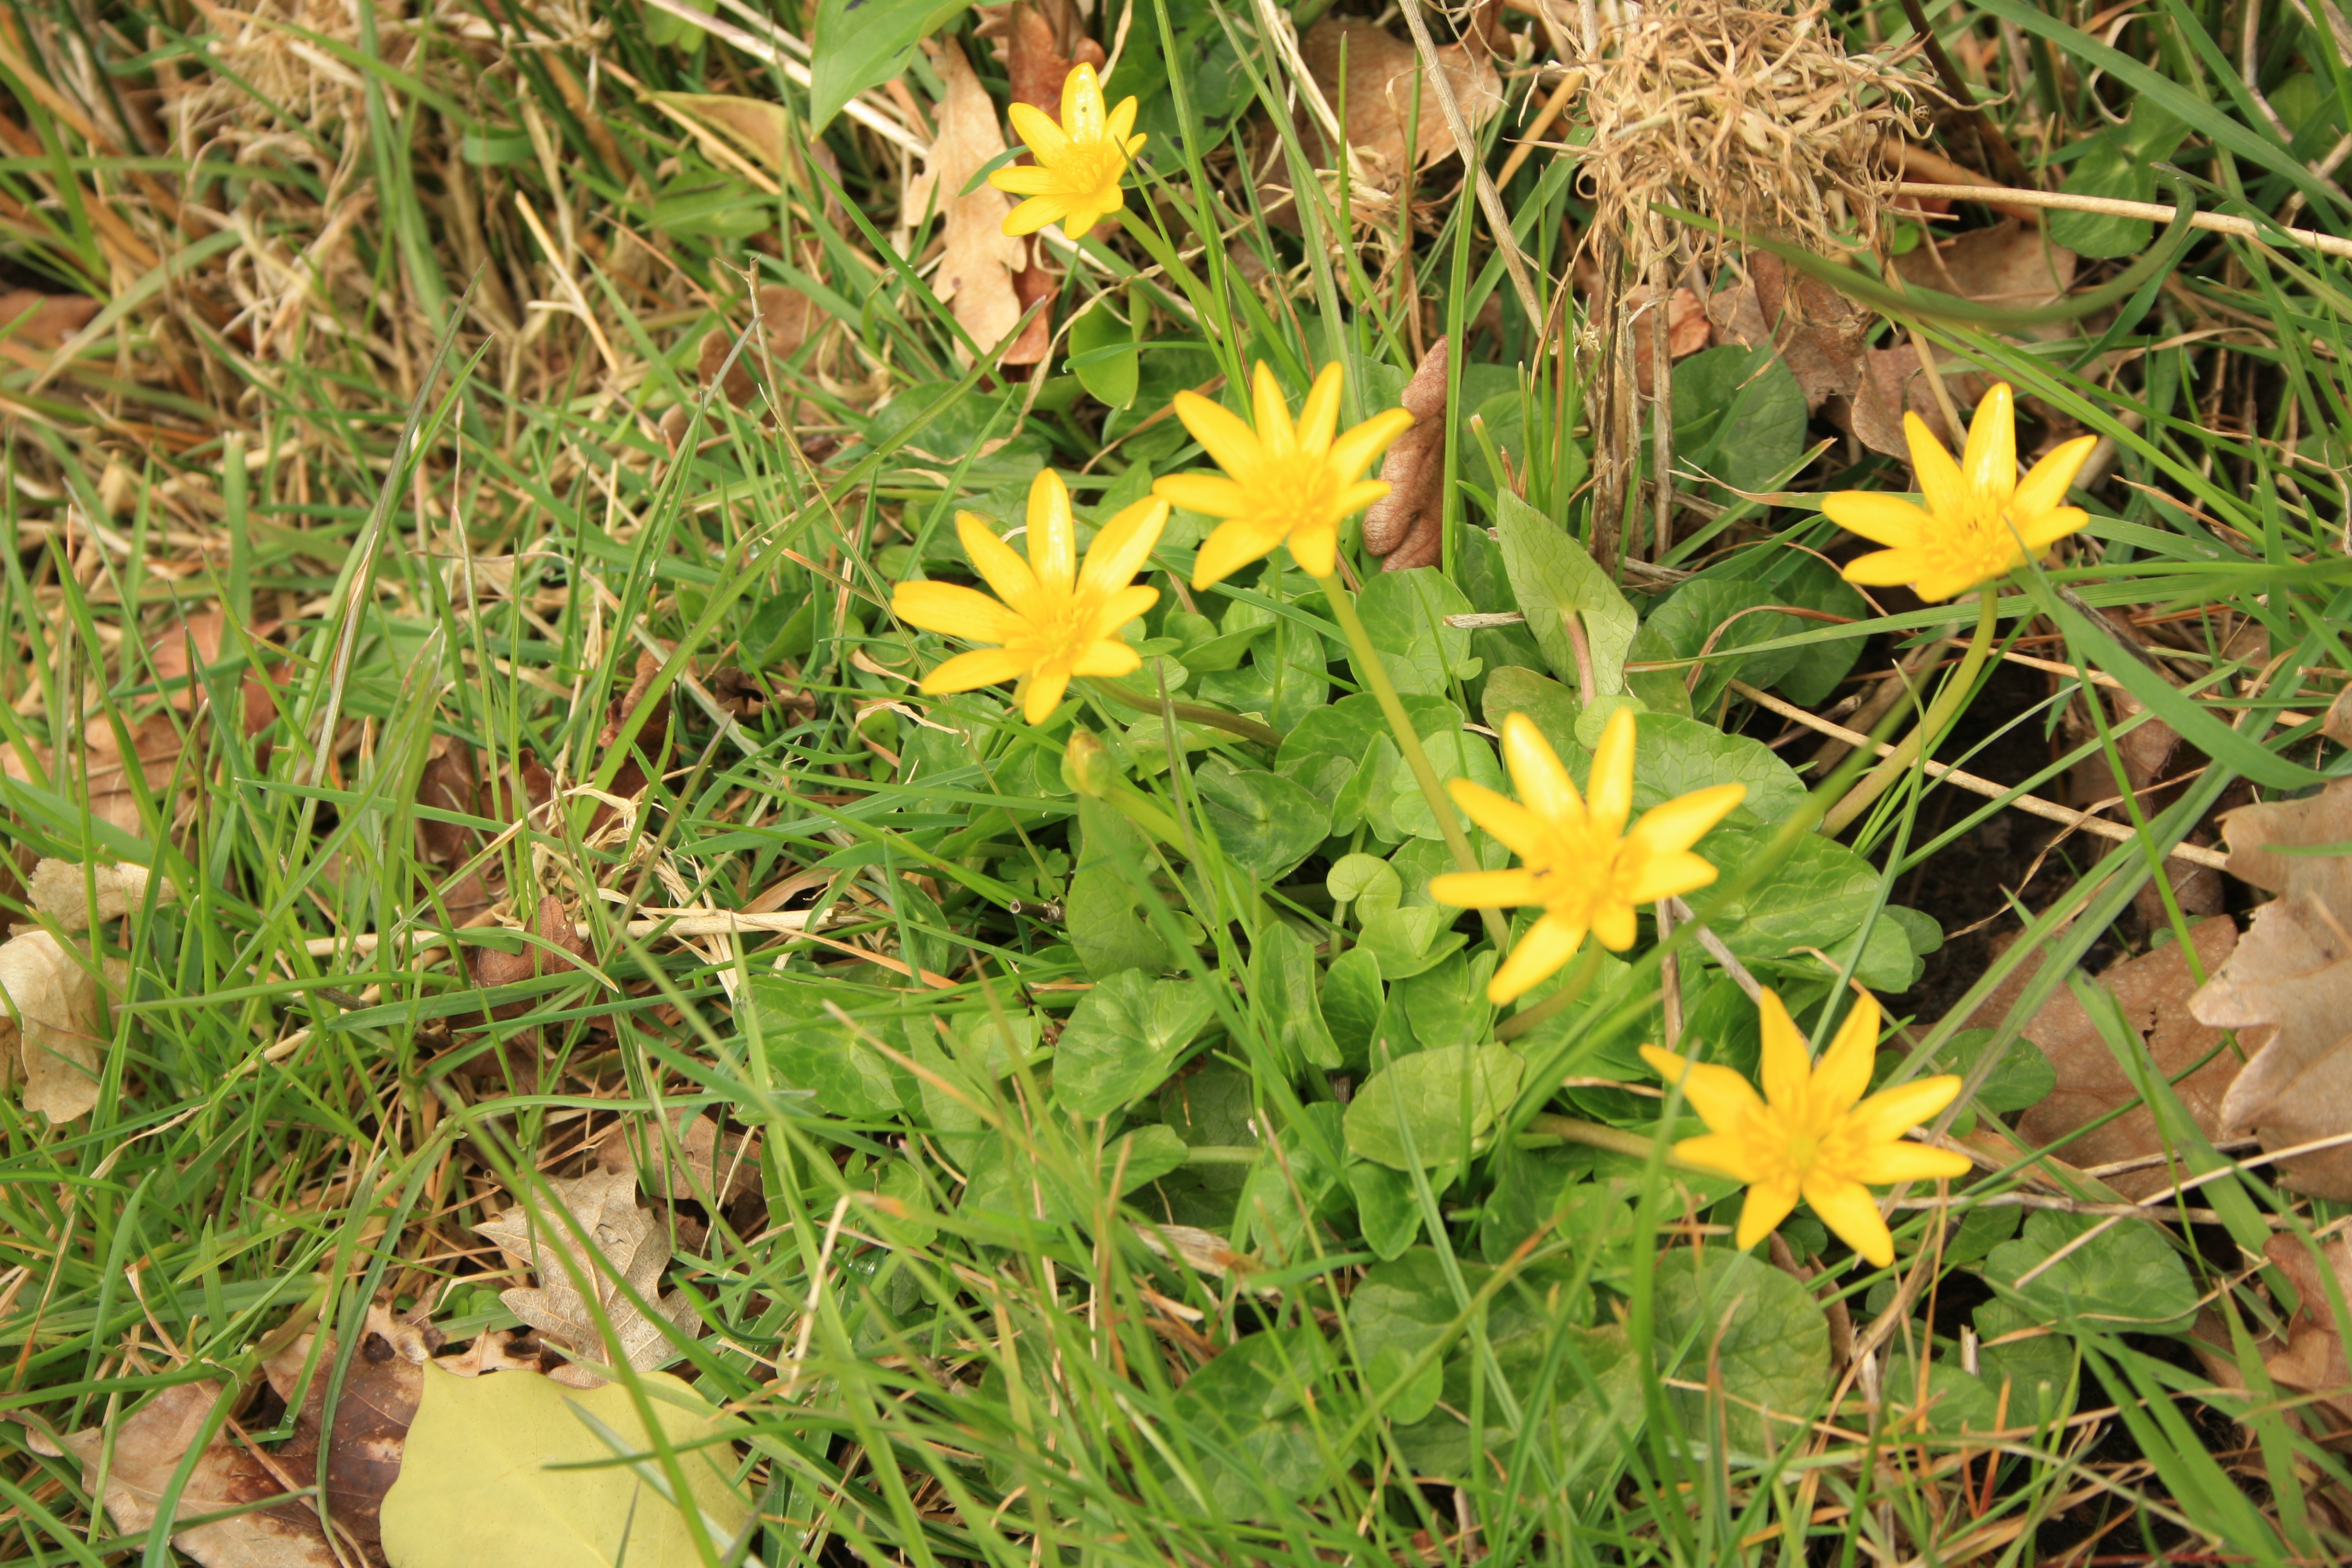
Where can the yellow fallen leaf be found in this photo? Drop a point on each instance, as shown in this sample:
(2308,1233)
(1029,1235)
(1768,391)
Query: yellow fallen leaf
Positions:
(480,1481)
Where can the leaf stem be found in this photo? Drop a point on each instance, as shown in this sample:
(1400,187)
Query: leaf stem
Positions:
(1375,671)
(1930,729)
(1191,713)
(1594,1135)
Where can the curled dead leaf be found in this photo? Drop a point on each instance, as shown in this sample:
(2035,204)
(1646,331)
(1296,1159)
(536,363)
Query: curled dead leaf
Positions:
(1383,76)
(1405,524)
(1821,333)
(976,267)
(373,1411)
(1687,331)
(630,1251)
(54,1024)
(73,896)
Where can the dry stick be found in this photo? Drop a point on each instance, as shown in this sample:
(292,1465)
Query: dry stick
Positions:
(2154,212)
(1490,200)
(2032,805)
(1661,422)
(1569,87)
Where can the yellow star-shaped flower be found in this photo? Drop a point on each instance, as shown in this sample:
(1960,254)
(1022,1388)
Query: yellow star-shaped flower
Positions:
(1579,860)
(1283,482)
(1057,619)
(1980,522)
(1076,179)
(1812,1135)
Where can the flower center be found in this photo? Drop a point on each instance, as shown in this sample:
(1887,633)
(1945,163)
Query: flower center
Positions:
(1296,492)
(1583,869)
(1089,166)
(1981,543)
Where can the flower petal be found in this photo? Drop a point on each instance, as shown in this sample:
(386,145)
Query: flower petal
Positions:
(1271,412)
(953,610)
(1723,1153)
(1760,1214)
(2046,483)
(1885,568)
(981,666)
(1885,1163)
(1037,128)
(1537,771)
(1230,444)
(1319,417)
(1121,547)
(1891,1112)
(1883,520)
(1788,1066)
(1725,1101)
(1108,655)
(1353,452)
(1550,942)
(1613,923)
(1988,466)
(1842,1074)
(1511,824)
(1035,214)
(1486,890)
(1314,545)
(1611,784)
(1053,534)
(1353,499)
(1234,545)
(1116,609)
(1203,493)
(1119,124)
(1669,877)
(998,566)
(1851,1214)
(1932,465)
(1082,105)
(1026,180)
(1685,820)
(2048,528)
(1044,694)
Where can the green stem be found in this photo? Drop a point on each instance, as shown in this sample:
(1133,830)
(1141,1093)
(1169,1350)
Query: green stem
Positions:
(1593,1135)
(1898,763)
(1587,965)
(1191,713)
(1375,672)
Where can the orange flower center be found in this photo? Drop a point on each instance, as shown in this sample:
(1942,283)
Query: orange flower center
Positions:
(1090,166)
(1982,541)
(1295,492)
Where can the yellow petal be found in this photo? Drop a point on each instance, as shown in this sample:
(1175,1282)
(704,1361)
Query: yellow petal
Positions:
(1721,1152)
(1760,1214)
(1083,218)
(1843,1071)
(981,666)
(1053,532)
(1353,499)
(1725,1101)
(1082,105)
(1232,445)
(1669,877)
(1273,415)
(1352,453)
(1939,476)
(1885,1163)
(1612,784)
(1044,138)
(1026,180)
(998,566)
(1107,655)
(1203,493)
(2048,528)
(1885,568)
(1234,545)
(1550,942)
(1787,1066)
(1121,547)
(1668,1064)
(1509,822)
(1314,545)
(1988,466)
(1119,125)
(1319,417)
(1851,1214)
(1892,1112)
(1683,821)
(2046,483)
(1116,609)
(1034,214)
(953,610)
(1613,923)
(1537,773)
(1486,890)
(1883,520)
(1936,585)
(1044,694)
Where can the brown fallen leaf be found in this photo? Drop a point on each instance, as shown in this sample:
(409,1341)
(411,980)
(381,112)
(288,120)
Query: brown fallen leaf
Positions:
(1687,331)
(1821,333)
(193,643)
(373,1412)
(2152,991)
(74,895)
(2290,977)
(1894,384)
(976,267)
(33,320)
(1403,525)
(2011,265)
(1383,73)
(632,1247)
(54,1024)
(694,1161)
(147,1449)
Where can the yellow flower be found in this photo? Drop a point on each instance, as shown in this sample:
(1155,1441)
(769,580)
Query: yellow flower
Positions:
(1284,481)
(1579,860)
(1074,181)
(1057,620)
(1981,520)
(1812,1135)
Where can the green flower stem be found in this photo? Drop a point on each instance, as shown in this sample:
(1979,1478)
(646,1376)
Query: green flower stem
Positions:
(1191,713)
(1579,979)
(1898,762)
(1593,1135)
(1375,672)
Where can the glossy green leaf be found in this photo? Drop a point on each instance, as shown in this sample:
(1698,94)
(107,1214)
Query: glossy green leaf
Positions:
(1123,1039)
(1552,575)
(808,1048)
(2124,1279)
(860,44)
(1429,1100)
(1103,355)
(1739,415)
(1735,1317)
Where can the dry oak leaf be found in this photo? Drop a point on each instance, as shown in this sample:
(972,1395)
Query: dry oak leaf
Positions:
(2011,265)
(2291,977)
(1405,524)
(976,267)
(693,1162)
(506,1470)
(373,1412)
(148,1447)
(2151,991)
(1820,332)
(632,1251)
